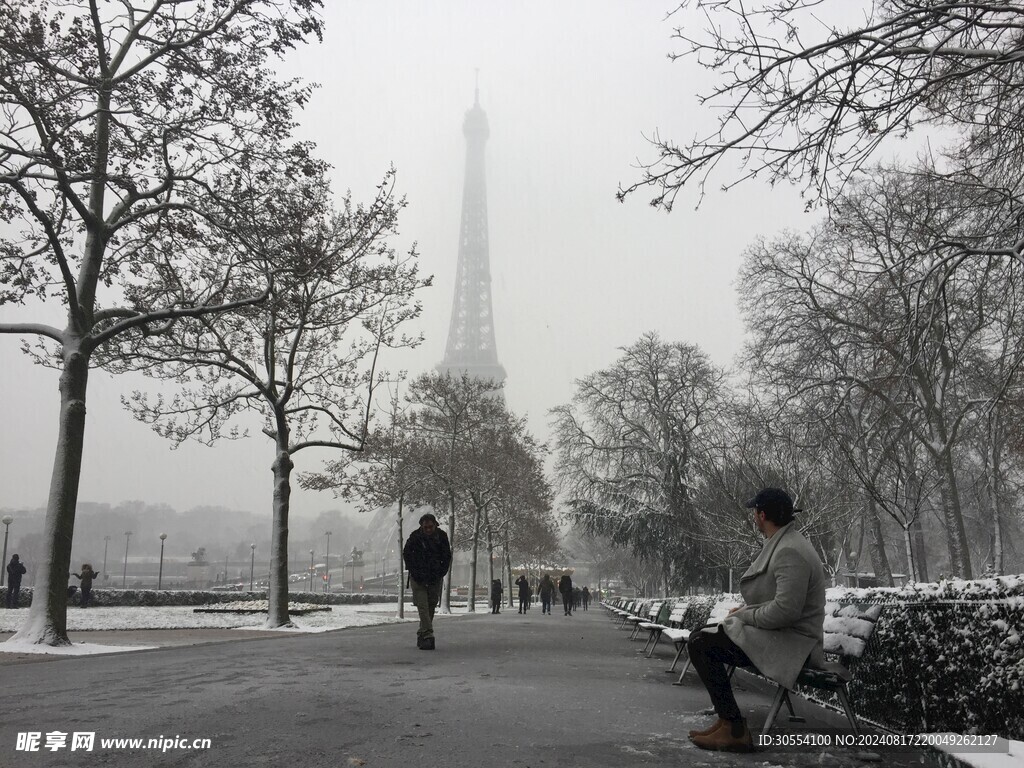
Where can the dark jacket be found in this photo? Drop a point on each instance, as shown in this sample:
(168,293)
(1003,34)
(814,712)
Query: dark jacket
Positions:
(524,587)
(496,589)
(15,570)
(427,558)
(565,584)
(547,586)
(87,576)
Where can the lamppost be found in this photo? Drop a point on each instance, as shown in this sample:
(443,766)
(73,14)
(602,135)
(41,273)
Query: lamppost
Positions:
(252,564)
(106,542)
(327,560)
(124,573)
(383,572)
(6,520)
(160,573)
(311,569)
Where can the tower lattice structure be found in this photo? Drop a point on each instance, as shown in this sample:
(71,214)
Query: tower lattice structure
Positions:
(471,348)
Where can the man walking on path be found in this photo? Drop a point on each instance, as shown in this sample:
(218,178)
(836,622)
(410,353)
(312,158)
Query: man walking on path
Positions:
(777,629)
(428,556)
(565,590)
(524,592)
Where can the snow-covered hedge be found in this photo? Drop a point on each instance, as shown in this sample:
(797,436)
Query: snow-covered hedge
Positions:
(944,657)
(128,597)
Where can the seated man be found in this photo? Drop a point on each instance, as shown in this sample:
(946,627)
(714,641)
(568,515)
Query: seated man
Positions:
(778,628)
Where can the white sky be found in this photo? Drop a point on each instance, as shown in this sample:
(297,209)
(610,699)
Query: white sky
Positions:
(570,90)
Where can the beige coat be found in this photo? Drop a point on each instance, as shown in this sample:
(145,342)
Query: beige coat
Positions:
(781,624)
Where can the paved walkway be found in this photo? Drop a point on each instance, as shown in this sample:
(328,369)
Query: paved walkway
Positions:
(530,691)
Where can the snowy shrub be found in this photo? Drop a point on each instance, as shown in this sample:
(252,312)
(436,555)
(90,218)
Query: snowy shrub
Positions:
(153,597)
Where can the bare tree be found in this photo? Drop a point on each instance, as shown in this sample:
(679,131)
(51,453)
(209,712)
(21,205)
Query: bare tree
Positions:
(805,96)
(118,119)
(870,304)
(382,475)
(630,447)
(445,411)
(307,361)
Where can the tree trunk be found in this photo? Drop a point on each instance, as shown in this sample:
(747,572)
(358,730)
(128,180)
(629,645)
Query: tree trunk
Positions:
(879,560)
(992,487)
(401,561)
(446,587)
(48,616)
(952,516)
(908,547)
(473,559)
(921,555)
(277,592)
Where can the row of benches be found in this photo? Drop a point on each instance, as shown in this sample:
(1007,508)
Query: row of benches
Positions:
(847,629)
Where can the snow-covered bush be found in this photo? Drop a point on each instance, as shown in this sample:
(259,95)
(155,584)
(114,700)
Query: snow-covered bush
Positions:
(150,597)
(944,657)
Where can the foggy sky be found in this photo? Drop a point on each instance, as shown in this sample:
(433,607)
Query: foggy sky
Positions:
(570,89)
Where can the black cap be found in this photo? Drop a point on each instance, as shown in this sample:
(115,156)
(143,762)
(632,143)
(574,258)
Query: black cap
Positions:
(772,500)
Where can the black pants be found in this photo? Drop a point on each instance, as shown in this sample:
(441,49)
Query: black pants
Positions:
(710,652)
(86,595)
(524,603)
(567,603)
(13,591)
(495,605)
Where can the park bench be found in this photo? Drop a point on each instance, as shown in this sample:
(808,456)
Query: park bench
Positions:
(630,612)
(642,613)
(620,613)
(847,630)
(652,617)
(680,636)
(676,614)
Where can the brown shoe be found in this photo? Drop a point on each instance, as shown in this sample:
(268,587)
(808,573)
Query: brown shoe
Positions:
(733,737)
(708,731)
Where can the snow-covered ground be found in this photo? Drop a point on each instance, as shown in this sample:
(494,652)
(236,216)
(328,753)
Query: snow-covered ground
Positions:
(185,617)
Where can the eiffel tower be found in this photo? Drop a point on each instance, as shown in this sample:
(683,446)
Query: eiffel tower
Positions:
(471,347)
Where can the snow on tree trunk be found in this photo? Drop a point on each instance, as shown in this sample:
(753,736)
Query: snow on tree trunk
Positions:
(277,592)
(48,615)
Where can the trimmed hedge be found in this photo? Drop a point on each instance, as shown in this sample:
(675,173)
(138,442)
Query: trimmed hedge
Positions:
(153,597)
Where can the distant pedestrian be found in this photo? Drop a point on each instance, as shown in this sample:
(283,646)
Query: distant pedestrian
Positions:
(87,575)
(565,590)
(428,556)
(524,593)
(497,590)
(577,597)
(547,591)
(15,570)
(585,596)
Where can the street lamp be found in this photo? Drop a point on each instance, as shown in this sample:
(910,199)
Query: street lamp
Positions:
(124,573)
(160,574)
(327,560)
(311,569)
(383,572)
(106,542)
(252,564)
(6,520)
